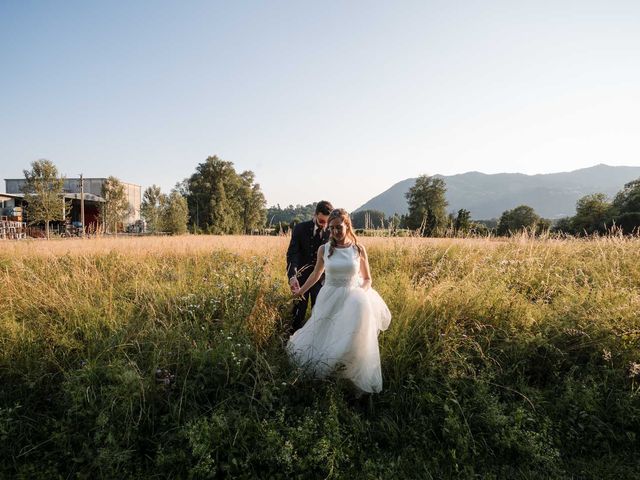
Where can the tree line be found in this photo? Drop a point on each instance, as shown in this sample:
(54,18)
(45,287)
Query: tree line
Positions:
(427,215)
(595,214)
(216,199)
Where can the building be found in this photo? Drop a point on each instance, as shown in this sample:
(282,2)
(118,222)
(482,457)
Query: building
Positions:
(11,206)
(92,197)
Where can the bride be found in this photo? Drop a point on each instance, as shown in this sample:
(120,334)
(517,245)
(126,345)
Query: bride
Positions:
(342,332)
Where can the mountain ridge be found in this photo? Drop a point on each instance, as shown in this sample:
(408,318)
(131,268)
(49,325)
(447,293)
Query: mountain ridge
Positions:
(487,195)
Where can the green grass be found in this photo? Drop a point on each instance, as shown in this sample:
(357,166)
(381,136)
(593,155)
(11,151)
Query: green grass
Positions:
(504,359)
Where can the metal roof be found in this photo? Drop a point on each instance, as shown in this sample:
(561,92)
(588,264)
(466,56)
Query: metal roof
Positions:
(75,179)
(8,196)
(69,196)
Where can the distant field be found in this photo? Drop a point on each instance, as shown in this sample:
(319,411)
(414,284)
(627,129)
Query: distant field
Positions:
(162,357)
(193,244)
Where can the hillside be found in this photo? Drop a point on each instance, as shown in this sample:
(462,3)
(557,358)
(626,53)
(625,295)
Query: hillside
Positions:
(552,195)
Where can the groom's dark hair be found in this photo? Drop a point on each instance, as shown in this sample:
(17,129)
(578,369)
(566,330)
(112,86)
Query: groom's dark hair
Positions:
(324,207)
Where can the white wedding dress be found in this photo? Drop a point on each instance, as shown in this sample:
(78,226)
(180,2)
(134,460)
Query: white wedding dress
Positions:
(342,333)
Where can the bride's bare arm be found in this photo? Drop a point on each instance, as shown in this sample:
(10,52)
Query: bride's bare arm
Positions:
(315,275)
(365,272)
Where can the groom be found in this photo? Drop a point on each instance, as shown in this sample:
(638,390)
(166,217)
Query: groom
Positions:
(301,258)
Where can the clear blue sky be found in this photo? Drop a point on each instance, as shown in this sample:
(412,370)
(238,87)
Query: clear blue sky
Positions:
(331,99)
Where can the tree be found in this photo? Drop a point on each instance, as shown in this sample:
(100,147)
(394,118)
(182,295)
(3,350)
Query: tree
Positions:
(462,222)
(175,213)
(253,212)
(627,200)
(594,214)
(288,214)
(628,222)
(116,207)
(395,221)
(221,201)
(207,199)
(43,192)
(182,187)
(368,219)
(151,208)
(520,218)
(427,205)
(627,207)
(221,213)
(543,225)
(563,225)
(480,229)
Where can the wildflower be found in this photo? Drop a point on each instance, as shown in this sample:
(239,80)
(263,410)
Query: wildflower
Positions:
(634,370)
(606,355)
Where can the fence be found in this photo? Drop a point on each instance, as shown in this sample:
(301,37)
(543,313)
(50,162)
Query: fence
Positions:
(12,230)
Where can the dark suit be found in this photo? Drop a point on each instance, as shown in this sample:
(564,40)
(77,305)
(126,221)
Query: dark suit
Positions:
(301,259)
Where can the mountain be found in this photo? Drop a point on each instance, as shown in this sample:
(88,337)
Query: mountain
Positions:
(552,195)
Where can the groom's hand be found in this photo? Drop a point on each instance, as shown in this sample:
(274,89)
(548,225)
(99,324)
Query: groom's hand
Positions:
(294,285)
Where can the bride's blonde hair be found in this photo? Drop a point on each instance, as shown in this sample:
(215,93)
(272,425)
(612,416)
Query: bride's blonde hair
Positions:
(346,220)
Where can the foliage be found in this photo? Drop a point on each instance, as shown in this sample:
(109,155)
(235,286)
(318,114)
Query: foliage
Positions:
(175,213)
(396,221)
(628,199)
(627,206)
(629,222)
(165,213)
(116,208)
(290,215)
(151,208)
(43,190)
(462,222)
(253,203)
(368,219)
(427,205)
(504,359)
(518,219)
(593,214)
(222,201)
(562,225)
(281,228)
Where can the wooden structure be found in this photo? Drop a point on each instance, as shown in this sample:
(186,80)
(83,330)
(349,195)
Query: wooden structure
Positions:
(12,230)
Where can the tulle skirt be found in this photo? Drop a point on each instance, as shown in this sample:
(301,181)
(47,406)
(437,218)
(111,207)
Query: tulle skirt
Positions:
(341,336)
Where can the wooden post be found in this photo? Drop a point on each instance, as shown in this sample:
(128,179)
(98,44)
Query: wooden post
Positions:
(82,205)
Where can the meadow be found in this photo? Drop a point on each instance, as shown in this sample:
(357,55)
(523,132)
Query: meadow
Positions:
(163,358)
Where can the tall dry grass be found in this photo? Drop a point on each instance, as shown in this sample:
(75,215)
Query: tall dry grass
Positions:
(139,357)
